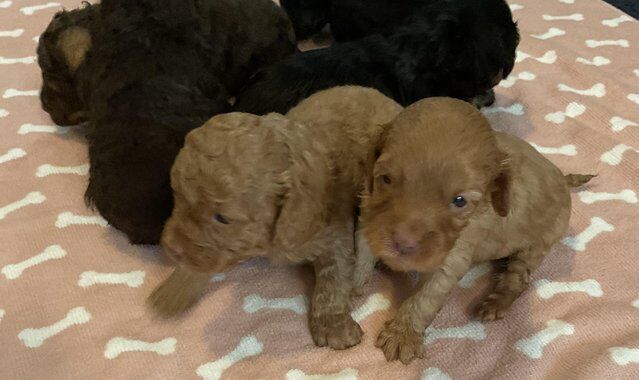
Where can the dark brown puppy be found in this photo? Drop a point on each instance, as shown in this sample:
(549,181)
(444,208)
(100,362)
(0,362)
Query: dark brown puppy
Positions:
(143,74)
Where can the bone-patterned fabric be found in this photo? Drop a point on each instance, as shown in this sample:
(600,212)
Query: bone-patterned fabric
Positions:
(72,290)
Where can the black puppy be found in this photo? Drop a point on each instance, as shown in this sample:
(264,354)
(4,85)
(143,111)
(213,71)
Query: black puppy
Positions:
(349,19)
(143,74)
(456,48)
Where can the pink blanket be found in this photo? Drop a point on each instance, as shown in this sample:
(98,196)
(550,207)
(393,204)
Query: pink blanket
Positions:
(72,290)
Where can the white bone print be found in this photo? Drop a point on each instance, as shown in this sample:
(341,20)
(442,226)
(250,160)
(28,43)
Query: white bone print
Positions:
(633,98)
(254,303)
(5,3)
(345,374)
(547,289)
(636,71)
(433,373)
(374,303)
(635,303)
(34,197)
(11,33)
(131,279)
(547,58)
(596,61)
(478,271)
(13,61)
(52,252)
(31,128)
(567,1)
(512,79)
(533,347)
(2,312)
(218,277)
(472,330)
(566,150)
(572,17)
(515,7)
(31,10)
(625,195)
(614,22)
(551,33)
(12,93)
(613,156)
(624,355)
(596,227)
(120,345)
(67,219)
(12,154)
(513,109)
(572,111)
(47,170)
(618,124)
(598,90)
(4,112)
(248,346)
(595,43)
(35,337)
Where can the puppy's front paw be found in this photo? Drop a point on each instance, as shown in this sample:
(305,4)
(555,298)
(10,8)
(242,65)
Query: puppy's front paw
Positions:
(176,294)
(337,331)
(399,341)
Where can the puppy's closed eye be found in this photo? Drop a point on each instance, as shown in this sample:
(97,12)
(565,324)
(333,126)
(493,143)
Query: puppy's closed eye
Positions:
(221,218)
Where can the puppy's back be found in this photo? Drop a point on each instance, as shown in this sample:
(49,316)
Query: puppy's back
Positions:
(353,105)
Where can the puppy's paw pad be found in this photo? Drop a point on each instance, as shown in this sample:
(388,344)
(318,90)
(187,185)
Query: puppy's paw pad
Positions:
(337,331)
(400,342)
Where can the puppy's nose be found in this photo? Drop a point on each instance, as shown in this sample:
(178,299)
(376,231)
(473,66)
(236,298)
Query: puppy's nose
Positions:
(405,244)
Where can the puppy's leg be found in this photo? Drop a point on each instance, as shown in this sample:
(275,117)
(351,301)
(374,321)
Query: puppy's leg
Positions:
(178,292)
(402,337)
(510,284)
(330,322)
(364,263)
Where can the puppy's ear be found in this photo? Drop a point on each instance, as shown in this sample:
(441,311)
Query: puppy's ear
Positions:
(500,195)
(73,45)
(304,196)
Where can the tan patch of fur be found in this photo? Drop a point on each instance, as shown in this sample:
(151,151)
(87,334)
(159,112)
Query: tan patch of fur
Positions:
(73,44)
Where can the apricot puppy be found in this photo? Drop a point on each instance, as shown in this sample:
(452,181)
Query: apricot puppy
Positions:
(447,192)
(282,187)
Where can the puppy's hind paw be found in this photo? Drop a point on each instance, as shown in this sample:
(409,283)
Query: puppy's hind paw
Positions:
(492,308)
(337,331)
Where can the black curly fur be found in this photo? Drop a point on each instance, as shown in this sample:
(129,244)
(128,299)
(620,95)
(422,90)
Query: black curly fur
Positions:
(457,48)
(349,19)
(156,70)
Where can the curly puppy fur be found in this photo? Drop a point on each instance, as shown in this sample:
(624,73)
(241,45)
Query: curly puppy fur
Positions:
(349,19)
(456,48)
(144,73)
(514,204)
(281,187)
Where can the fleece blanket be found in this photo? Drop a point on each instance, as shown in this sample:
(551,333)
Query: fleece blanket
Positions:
(72,289)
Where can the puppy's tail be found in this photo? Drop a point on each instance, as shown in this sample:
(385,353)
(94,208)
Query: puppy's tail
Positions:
(576,180)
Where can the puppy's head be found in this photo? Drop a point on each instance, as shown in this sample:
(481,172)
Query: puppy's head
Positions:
(439,165)
(244,184)
(62,48)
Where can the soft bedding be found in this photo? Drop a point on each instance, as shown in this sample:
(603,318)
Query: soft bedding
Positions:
(72,290)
